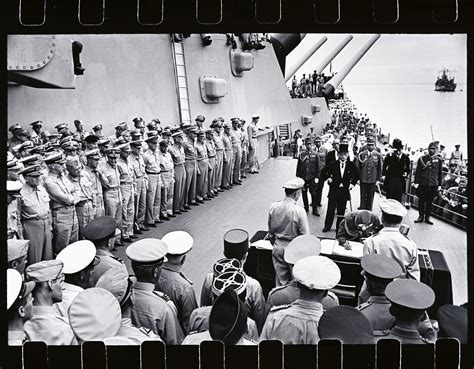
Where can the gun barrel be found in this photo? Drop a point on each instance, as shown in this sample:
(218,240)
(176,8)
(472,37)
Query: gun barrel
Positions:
(335,81)
(330,57)
(308,53)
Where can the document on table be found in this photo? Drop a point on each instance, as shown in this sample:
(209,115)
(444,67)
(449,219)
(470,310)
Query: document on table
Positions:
(356,252)
(263,244)
(327,246)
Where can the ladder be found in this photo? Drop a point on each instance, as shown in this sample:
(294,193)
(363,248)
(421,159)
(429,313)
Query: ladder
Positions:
(181,81)
(284,131)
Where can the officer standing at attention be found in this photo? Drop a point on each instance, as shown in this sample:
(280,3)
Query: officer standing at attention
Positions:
(228,157)
(173,282)
(127,184)
(369,164)
(245,148)
(150,308)
(101,231)
(322,152)
(167,179)
(428,180)
(236,151)
(297,323)
(253,143)
(307,169)
(152,169)
(14,228)
(46,325)
(17,252)
(202,168)
(178,156)
(211,157)
(19,306)
(138,165)
(409,300)
(63,200)
(111,186)
(190,166)
(217,139)
(286,221)
(94,176)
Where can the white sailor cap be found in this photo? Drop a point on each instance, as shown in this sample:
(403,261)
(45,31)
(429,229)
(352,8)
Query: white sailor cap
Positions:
(393,207)
(15,287)
(301,247)
(77,256)
(317,272)
(147,251)
(178,242)
(17,248)
(294,184)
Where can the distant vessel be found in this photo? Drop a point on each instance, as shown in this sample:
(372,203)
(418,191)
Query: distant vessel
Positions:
(445,81)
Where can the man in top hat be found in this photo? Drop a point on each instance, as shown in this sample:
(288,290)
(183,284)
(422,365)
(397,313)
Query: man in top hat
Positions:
(63,200)
(94,175)
(211,157)
(153,169)
(236,135)
(190,166)
(111,188)
(286,221)
(84,192)
(19,306)
(347,325)
(390,242)
(308,170)
(409,300)
(167,179)
(79,261)
(236,246)
(14,228)
(219,144)
(297,323)
(46,325)
(151,309)
(127,184)
(297,249)
(178,156)
(428,180)
(342,175)
(228,157)
(253,143)
(141,180)
(203,168)
(357,226)
(369,164)
(200,121)
(17,252)
(120,285)
(322,154)
(172,281)
(235,280)
(102,231)
(227,322)
(395,170)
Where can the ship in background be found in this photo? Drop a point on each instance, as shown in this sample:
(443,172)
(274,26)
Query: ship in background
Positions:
(445,81)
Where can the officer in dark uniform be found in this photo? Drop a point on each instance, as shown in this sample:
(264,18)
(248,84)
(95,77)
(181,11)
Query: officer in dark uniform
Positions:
(369,164)
(357,226)
(342,175)
(428,179)
(307,169)
(409,299)
(395,169)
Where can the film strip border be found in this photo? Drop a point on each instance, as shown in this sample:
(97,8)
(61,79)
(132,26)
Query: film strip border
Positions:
(59,16)
(328,354)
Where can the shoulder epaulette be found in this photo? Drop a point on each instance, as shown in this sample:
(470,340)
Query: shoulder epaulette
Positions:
(382,333)
(276,289)
(116,258)
(164,296)
(145,330)
(280,307)
(364,305)
(186,278)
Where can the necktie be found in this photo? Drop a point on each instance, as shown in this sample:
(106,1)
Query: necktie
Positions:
(342,166)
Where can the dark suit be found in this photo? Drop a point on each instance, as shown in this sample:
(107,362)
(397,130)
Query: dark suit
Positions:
(338,189)
(330,157)
(395,171)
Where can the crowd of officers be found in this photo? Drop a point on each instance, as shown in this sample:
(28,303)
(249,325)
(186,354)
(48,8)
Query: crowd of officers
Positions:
(57,183)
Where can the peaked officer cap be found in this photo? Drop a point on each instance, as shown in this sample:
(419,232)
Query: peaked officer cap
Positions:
(117,282)
(14,186)
(178,242)
(393,207)
(100,228)
(317,272)
(77,256)
(294,184)
(380,266)
(16,287)
(301,247)
(147,251)
(410,294)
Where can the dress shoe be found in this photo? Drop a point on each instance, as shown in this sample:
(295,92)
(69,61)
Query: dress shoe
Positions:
(206,198)
(137,231)
(133,236)
(144,228)
(186,207)
(220,190)
(237,183)
(165,218)
(151,224)
(118,243)
(201,201)
(419,219)
(184,210)
(172,215)
(210,195)
(126,239)
(244,176)
(194,203)
(428,221)
(158,221)
(326,229)
(315,212)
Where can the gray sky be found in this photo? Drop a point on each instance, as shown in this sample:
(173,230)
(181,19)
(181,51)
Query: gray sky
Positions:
(394,58)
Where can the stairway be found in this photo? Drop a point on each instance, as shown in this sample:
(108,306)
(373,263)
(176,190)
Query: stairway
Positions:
(181,81)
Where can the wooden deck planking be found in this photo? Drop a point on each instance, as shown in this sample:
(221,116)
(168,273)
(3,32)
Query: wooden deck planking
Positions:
(246,207)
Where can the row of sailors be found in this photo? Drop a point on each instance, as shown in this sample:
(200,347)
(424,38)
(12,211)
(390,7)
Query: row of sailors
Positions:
(86,294)
(139,188)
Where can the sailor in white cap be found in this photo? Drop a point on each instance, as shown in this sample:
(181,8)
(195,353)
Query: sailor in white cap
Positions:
(286,220)
(252,131)
(94,315)
(235,280)
(297,323)
(17,251)
(172,281)
(117,282)
(46,325)
(297,249)
(79,260)
(151,309)
(19,306)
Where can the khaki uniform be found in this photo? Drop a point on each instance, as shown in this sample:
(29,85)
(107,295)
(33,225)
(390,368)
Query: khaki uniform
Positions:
(70,291)
(138,165)
(153,195)
(228,156)
(191,171)
(47,326)
(219,144)
(203,170)
(16,338)
(94,177)
(177,154)
(150,310)
(253,145)
(167,178)
(127,181)
(137,335)
(106,261)
(211,156)
(85,206)
(376,310)
(112,193)
(237,153)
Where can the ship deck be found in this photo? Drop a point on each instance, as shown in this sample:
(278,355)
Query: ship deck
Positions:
(246,207)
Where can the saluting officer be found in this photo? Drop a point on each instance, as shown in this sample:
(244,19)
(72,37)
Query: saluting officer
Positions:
(178,156)
(150,308)
(172,281)
(428,179)
(307,169)
(369,164)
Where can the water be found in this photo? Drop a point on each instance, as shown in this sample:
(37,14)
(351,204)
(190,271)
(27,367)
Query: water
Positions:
(408,110)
